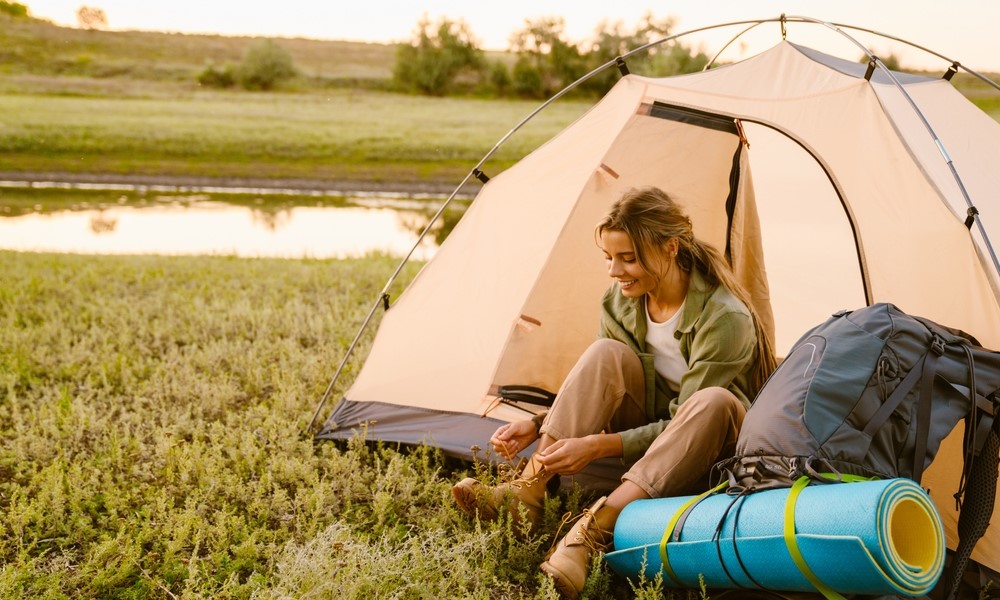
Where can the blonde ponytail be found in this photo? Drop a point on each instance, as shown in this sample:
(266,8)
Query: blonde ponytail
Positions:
(651,218)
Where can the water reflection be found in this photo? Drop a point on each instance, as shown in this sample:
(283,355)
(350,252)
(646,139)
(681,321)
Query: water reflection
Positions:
(100,223)
(246,227)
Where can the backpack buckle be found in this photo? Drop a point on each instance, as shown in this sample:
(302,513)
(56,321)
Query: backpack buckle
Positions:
(937,344)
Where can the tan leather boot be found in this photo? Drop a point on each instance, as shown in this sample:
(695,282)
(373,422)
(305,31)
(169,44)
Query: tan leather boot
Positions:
(526,494)
(569,562)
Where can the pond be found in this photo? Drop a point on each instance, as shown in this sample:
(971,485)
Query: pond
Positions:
(120,219)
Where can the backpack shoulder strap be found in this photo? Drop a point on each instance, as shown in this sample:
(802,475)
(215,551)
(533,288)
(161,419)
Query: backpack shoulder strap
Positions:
(974,518)
(980,485)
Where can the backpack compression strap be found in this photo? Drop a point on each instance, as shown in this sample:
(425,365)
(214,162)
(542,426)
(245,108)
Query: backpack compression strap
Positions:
(922,373)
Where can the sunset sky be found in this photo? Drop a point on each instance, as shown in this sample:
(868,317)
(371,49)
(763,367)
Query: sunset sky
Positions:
(965,30)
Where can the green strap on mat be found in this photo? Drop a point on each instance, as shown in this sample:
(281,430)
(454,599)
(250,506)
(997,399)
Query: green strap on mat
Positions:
(672,524)
(789,531)
(792,542)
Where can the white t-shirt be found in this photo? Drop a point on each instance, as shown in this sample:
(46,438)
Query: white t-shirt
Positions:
(666,349)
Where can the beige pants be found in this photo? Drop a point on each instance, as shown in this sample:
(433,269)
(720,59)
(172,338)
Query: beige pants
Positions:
(605,392)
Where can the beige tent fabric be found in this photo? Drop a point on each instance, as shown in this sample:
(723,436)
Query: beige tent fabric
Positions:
(560,316)
(856,204)
(748,250)
(851,126)
(439,346)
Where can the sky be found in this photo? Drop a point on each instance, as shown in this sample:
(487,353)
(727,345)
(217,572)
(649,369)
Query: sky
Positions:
(963,30)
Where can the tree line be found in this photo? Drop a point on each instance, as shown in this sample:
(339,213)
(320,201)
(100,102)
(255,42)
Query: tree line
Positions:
(444,58)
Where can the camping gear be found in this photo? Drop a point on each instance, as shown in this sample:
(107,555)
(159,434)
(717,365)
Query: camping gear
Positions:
(872,393)
(867,186)
(885,537)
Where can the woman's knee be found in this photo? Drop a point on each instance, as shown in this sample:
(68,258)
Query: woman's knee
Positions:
(606,346)
(607,351)
(716,401)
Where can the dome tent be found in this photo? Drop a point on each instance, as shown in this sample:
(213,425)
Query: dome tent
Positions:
(830,184)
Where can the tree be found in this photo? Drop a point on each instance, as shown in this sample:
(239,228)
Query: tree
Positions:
(499,77)
(527,80)
(13,9)
(545,57)
(891,61)
(265,64)
(437,57)
(662,60)
(611,40)
(89,17)
(219,77)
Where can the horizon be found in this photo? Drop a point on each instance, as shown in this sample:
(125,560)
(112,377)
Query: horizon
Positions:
(969,39)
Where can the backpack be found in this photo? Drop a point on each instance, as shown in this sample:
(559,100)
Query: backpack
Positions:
(872,393)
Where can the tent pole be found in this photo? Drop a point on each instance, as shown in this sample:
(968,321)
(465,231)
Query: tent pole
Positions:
(613,63)
(930,130)
(380,300)
(727,44)
(437,215)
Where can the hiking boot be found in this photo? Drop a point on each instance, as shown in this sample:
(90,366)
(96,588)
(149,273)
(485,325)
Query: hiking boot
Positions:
(523,498)
(569,561)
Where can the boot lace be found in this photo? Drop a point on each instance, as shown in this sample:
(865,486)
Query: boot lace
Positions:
(589,534)
(518,482)
(529,481)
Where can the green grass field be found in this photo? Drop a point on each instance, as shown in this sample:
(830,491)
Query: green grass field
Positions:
(339,134)
(153,412)
(153,409)
(111,102)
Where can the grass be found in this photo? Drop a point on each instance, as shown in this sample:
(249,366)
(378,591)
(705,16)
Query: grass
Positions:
(31,46)
(153,410)
(127,103)
(341,134)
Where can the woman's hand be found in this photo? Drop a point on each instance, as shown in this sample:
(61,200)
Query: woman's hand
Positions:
(569,456)
(511,438)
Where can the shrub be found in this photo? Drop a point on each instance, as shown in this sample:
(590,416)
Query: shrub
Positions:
(218,77)
(527,79)
(88,17)
(500,77)
(437,58)
(265,65)
(13,9)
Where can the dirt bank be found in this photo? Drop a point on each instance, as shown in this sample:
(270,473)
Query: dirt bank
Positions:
(403,187)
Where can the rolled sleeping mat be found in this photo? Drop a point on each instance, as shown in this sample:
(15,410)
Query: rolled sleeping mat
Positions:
(868,537)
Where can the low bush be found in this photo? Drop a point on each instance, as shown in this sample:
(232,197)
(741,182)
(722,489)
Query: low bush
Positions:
(14,9)
(152,411)
(217,77)
(265,65)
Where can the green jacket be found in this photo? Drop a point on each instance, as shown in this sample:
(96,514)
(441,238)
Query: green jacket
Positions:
(717,340)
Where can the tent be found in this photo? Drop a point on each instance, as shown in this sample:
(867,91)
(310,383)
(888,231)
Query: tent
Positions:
(830,184)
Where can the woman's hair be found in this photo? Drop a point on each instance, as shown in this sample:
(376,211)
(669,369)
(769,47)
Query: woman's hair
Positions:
(651,219)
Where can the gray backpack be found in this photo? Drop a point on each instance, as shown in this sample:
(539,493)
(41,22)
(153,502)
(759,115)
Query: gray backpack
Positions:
(872,393)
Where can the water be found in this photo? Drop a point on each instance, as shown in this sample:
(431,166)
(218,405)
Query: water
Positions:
(253,223)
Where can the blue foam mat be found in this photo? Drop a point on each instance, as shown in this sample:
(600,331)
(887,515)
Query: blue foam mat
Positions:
(873,537)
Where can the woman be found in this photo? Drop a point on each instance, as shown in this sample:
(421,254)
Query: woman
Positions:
(665,387)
